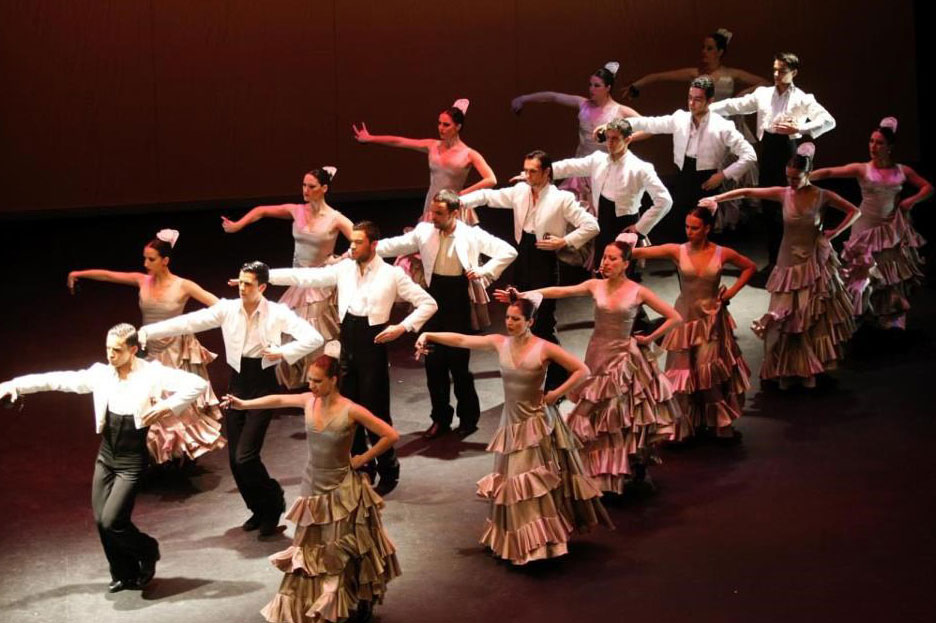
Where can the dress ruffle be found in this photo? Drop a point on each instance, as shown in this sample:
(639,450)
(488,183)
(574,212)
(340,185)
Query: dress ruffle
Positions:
(196,430)
(340,555)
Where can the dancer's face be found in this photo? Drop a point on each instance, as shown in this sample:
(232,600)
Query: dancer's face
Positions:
(515,321)
(442,218)
(362,249)
(598,91)
(616,143)
(312,190)
(698,102)
(320,384)
(782,75)
(153,262)
(796,178)
(535,174)
(878,146)
(448,129)
(249,289)
(696,229)
(711,55)
(613,263)
(118,353)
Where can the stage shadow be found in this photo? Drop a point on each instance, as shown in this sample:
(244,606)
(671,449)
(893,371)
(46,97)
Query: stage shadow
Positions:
(246,544)
(447,447)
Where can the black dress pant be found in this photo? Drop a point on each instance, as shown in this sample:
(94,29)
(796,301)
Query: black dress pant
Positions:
(535,268)
(776,151)
(365,379)
(445,362)
(245,432)
(120,462)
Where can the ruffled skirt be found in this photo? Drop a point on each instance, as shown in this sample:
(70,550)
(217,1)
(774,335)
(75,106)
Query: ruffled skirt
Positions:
(319,306)
(809,318)
(197,430)
(340,555)
(707,370)
(881,265)
(539,491)
(624,408)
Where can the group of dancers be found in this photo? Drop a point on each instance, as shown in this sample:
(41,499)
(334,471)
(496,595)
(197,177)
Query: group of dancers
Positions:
(330,329)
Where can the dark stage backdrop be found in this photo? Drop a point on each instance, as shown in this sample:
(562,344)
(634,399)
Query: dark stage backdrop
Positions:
(132,102)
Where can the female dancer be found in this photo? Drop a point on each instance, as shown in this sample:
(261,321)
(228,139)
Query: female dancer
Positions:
(704,362)
(315,229)
(341,558)
(539,491)
(196,430)
(809,317)
(881,257)
(450,160)
(626,405)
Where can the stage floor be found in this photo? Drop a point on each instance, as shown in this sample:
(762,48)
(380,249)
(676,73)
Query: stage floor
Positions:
(824,512)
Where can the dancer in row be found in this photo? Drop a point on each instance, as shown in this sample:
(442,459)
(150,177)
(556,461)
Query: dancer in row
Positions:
(450,252)
(341,558)
(315,229)
(367,287)
(252,328)
(130,394)
(881,257)
(197,430)
(450,160)
(809,317)
(704,362)
(539,491)
(542,217)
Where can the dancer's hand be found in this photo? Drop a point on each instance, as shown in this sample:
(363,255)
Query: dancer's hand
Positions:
(553,243)
(785,127)
(273,353)
(551,397)
(520,177)
(504,296)
(232,402)
(723,295)
(422,345)
(142,337)
(708,202)
(229,226)
(630,92)
(357,461)
(906,204)
(8,392)
(473,274)
(516,104)
(361,135)
(152,416)
(714,182)
(641,339)
(389,334)
(72,281)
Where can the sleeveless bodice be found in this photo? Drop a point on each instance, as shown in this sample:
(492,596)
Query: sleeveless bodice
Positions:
(696,288)
(724,88)
(879,193)
(523,380)
(154,311)
(312,247)
(800,230)
(615,323)
(590,118)
(329,452)
(445,177)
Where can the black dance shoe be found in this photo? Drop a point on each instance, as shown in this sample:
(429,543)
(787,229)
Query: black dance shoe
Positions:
(252,523)
(363,613)
(269,523)
(435,431)
(147,570)
(464,429)
(121,585)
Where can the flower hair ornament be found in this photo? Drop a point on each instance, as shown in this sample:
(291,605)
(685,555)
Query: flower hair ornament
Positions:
(168,235)
(890,123)
(727,34)
(613,67)
(629,238)
(332,349)
(514,295)
(462,105)
(332,171)
(806,149)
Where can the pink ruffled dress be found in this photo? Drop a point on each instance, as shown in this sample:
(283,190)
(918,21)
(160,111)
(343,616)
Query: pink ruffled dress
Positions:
(340,554)
(445,177)
(809,317)
(627,405)
(881,258)
(319,306)
(196,430)
(539,491)
(703,362)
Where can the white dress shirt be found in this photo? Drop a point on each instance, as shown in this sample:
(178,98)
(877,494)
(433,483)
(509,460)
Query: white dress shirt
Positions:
(380,286)
(273,319)
(554,212)
(139,393)
(623,181)
(468,244)
(771,106)
(715,137)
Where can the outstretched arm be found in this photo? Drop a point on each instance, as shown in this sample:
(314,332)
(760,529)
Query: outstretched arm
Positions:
(676,75)
(99,274)
(546,97)
(388,434)
(747,266)
(646,296)
(271,401)
(656,252)
(774,193)
(283,211)
(752,81)
(552,292)
(457,340)
(361,135)
(848,170)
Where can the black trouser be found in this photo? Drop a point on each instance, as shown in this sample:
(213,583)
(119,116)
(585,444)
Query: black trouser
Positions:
(689,191)
(454,314)
(245,432)
(535,268)
(120,462)
(365,379)
(776,151)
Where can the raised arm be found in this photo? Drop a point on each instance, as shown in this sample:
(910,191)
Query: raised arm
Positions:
(546,97)
(575,167)
(656,252)
(663,124)
(774,193)
(647,297)
(198,293)
(271,401)
(361,135)
(925,189)
(851,213)
(676,75)
(747,266)
(282,211)
(396,246)
(388,434)
(319,277)
(488,179)
(849,170)
(577,370)
(456,340)
(500,198)
(553,292)
(193,322)
(99,274)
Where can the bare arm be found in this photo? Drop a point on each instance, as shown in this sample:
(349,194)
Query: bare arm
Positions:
(562,292)
(361,135)
(676,75)
(848,170)
(272,401)
(488,179)
(752,81)
(99,274)
(851,213)
(546,97)
(458,340)
(283,211)
(748,268)
(657,252)
(774,193)
(924,192)
(646,296)
(388,434)
(578,371)
(344,226)
(198,293)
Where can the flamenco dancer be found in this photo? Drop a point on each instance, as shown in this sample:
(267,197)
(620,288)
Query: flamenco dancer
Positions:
(626,404)
(341,559)
(450,160)
(539,491)
(881,258)
(130,394)
(704,363)
(253,329)
(809,317)
(197,430)
(315,229)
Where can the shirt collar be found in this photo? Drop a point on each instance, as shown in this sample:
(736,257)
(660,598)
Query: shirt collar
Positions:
(135,364)
(261,308)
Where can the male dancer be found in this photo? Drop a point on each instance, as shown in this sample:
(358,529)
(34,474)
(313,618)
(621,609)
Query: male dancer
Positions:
(785,113)
(252,328)
(367,287)
(450,252)
(128,397)
(542,216)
